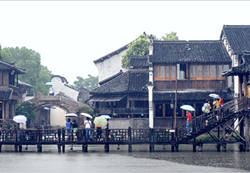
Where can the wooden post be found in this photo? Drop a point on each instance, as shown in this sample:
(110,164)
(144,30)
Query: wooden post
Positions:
(194,145)
(59,141)
(84,148)
(218,144)
(151,145)
(63,140)
(106,147)
(59,148)
(39,147)
(247,133)
(129,140)
(241,134)
(172,148)
(106,140)
(20,148)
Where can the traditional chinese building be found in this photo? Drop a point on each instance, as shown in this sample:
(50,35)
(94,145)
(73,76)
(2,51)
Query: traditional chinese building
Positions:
(10,94)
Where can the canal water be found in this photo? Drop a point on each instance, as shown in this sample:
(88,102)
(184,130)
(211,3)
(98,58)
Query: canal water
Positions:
(139,161)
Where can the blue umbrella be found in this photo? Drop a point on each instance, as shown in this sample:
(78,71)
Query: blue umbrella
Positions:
(49,83)
(106,117)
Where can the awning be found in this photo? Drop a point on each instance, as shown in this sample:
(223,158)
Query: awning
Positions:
(114,98)
(106,98)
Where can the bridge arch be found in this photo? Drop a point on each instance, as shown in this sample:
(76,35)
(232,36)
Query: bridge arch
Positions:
(61,101)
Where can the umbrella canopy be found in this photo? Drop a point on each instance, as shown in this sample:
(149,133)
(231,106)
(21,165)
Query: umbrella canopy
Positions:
(87,115)
(187,108)
(100,121)
(49,83)
(215,96)
(70,115)
(20,119)
(106,117)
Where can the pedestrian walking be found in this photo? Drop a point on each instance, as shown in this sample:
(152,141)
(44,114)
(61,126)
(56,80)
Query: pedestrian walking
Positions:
(189,123)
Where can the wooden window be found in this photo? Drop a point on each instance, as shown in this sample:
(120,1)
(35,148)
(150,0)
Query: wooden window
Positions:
(207,71)
(173,69)
(165,72)
(220,69)
(157,72)
(199,71)
(212,71)
(192,71)
(162,71)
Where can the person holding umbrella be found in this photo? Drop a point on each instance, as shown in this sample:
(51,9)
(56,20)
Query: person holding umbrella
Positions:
(216,104)
(189,123)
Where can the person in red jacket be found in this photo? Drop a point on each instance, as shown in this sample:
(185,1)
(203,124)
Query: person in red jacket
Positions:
(189,123)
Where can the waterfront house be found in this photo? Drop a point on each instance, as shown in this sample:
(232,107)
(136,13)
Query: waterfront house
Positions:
(193,70)
(10,95)
(236,39)
(124,96)
(196,67)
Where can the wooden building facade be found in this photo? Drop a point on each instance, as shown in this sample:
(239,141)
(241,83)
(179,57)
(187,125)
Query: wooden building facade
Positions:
(190,69)
(9,89)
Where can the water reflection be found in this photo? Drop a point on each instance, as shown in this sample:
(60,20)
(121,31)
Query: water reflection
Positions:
(140,160)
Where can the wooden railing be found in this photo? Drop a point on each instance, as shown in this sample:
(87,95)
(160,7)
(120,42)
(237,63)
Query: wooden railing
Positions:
(105,136)
(227,112)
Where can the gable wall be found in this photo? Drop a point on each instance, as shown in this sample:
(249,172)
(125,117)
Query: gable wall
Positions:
(110,66)
(235,62)
(59,86)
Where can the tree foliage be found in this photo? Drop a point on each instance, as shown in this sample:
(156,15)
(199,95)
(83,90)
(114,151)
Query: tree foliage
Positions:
(36,74)
(170,36)
(137,48)
(26,109)
(140,47)
(90,82)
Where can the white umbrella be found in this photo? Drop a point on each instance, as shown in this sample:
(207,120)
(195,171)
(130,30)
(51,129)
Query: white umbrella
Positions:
(187,108)
(49,83)
(20,119)
(86,115)
(106,117)
(216,96)
(70,115)
(100,121)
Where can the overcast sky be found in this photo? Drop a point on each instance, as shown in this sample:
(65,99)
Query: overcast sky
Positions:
(70,35)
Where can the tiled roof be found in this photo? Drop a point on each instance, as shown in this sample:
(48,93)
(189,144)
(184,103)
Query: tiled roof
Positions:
(5,93)
(113,53)
(211,51)
(111,77)
(138,62)
(243,68)
(238,37)
(128,82)
(7,66)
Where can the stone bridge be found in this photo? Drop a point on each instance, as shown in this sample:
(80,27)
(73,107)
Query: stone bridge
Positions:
(60,100)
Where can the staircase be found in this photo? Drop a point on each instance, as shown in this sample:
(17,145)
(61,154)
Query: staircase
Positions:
(230,110)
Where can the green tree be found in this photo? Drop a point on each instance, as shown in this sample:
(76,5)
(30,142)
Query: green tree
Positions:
(171,36)
(26,109)
(90,82)
(140,47)
(36,74)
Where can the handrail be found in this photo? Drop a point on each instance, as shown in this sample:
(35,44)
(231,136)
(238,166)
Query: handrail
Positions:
(229,109)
